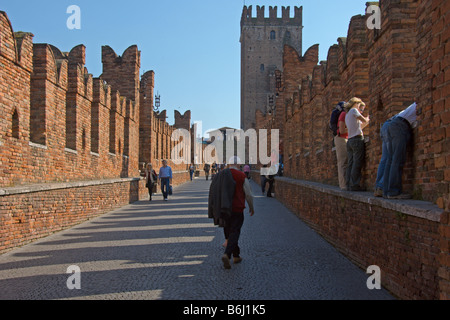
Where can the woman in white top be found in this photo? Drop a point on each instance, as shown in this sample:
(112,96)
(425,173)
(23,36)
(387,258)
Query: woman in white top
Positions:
(355,123)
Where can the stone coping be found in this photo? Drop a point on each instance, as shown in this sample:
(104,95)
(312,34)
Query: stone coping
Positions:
(61,185)
(66,185)
(417,208)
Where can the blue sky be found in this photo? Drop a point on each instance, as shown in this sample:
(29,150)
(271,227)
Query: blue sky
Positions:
(192,45)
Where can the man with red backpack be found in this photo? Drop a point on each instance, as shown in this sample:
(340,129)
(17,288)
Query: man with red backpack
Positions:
(337,125)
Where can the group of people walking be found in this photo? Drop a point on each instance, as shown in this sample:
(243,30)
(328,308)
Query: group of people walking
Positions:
(230,190)
(349,141)
(165,178)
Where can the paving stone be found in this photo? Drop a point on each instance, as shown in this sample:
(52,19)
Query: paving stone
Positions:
(171,251)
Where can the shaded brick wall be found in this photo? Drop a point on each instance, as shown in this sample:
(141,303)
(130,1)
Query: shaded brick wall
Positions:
(372,231)
(29,213)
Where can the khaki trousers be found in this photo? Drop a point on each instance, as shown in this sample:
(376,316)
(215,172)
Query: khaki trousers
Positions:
(342,158)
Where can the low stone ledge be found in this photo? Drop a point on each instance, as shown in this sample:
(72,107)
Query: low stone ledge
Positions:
(417,208)
(61,185)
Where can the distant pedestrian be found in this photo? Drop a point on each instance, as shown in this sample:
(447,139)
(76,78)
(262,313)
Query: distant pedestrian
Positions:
(247,171)
(355,123)
(207,168)
(151,179)
(340,142)
(228,192)
(395,134)
(191,171)
(263,179)
(271,180)
(213,169)
(165,176)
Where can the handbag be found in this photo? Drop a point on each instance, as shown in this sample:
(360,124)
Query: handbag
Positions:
(170,190)
(154,188)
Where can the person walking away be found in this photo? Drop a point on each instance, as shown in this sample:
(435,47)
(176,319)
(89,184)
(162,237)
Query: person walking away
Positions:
(395,135)
(340,142)
(207,168)
(165,176)
(271,180)
(355,123)
(191,171)
(263,179)
(247,171)
(213,170)
(151,178)
(229,192)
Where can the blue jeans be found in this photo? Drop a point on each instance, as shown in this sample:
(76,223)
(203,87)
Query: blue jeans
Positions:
(356,153)
(165,183)
(395,140)
(384,156)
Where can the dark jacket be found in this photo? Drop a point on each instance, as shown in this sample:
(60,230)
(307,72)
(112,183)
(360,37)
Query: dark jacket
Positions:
(221,194)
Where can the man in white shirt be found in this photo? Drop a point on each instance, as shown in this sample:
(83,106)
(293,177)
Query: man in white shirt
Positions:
(395,133)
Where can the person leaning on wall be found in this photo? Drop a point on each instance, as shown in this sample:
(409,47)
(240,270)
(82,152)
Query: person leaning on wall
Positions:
(355,123)
(395,135)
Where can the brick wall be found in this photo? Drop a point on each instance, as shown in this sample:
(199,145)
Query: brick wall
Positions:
(29,213)
(60,125)
(406,60)
(400,238)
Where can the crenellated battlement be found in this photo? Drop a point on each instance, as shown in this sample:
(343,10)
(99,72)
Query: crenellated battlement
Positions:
(272,18)
(67,125)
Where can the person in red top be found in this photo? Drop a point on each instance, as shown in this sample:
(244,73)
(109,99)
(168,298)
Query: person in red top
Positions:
(340,141)
(235,221)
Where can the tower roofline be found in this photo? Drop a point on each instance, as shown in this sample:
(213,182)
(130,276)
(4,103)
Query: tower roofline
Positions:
(272,18)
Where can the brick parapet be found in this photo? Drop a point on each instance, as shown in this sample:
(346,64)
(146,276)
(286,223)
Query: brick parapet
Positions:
(389,69)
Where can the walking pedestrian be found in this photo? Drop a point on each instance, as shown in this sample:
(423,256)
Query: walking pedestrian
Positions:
(165,176)
(355,123)
(207,168)
(340,142)
(395,134)
(247,171)
(191,171)
(229,191)
(151,178)
(271,180)
(263,179)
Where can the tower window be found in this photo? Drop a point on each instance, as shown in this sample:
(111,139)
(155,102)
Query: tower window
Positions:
(273,35)
(15,124)
(262,68)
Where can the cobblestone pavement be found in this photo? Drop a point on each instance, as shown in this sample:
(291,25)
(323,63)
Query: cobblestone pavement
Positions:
(171,251)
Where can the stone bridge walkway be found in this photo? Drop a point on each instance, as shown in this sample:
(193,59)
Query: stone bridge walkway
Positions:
(171,251)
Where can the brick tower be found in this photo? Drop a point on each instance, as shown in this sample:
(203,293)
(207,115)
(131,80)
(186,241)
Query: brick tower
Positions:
(262,42)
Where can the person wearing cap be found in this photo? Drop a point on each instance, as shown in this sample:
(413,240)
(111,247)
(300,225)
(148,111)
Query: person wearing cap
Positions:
(395,134)
(340,142)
